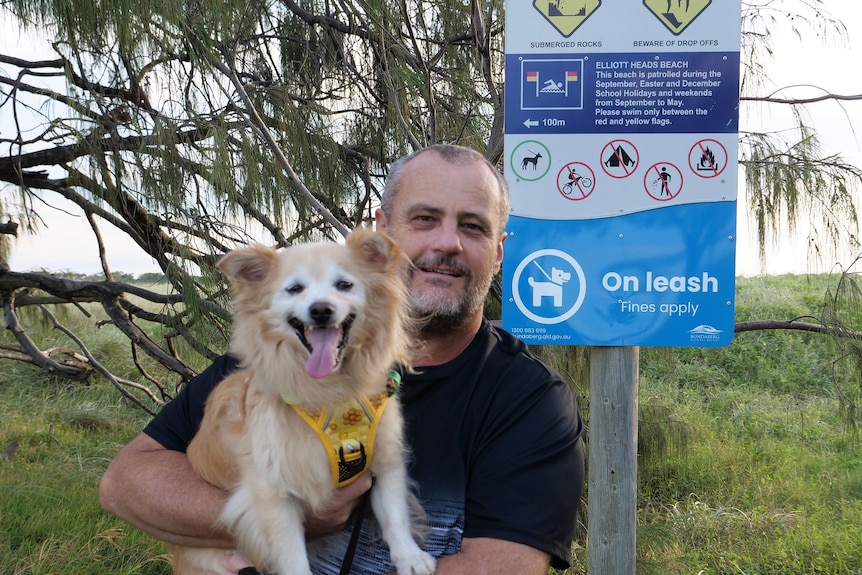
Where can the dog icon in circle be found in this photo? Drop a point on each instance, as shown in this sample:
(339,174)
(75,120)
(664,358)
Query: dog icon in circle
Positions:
(552,289)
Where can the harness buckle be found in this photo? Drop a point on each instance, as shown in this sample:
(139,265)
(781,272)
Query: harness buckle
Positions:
(352,459)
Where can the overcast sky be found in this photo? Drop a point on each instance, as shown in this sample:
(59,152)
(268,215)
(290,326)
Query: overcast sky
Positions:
(834,68)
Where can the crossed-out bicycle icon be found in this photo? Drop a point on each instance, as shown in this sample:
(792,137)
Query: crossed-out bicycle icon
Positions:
(576,179)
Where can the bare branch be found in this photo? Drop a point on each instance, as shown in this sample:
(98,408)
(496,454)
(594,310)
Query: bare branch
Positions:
(40,358)
(102,369)
(768,324)
(800,101)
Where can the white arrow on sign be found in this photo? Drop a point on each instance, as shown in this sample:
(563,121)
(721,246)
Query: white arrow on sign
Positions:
(531,123)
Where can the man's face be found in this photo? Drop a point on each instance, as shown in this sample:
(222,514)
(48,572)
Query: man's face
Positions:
(445,217)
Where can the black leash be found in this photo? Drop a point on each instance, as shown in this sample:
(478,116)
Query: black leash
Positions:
(358,516)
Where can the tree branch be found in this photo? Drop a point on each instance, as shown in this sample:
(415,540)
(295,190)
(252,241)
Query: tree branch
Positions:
(766,324)
(800,101)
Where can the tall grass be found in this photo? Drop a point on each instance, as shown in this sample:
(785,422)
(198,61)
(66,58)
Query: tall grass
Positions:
(746,462)
(50,519)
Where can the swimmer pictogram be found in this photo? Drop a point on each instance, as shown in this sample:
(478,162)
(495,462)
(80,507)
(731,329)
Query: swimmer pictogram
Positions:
(552,84)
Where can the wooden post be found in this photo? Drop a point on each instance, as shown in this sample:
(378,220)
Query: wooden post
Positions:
(612,464)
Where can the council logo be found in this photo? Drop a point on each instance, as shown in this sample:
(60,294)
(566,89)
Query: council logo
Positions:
(705,332)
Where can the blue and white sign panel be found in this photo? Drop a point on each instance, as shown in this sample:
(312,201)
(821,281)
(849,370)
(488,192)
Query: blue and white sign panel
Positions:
(621,157)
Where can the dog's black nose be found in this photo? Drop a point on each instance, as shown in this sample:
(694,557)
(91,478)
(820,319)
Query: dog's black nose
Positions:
(321,313)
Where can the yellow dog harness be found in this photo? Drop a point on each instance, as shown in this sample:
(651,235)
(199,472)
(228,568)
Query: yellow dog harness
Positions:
(347,430)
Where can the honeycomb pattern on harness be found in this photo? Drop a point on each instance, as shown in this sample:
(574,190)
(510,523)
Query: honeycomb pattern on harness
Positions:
(378,400)
(351,417)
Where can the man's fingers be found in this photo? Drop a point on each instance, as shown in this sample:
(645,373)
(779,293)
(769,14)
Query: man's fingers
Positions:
(353,491)
(335,516)
(233,561)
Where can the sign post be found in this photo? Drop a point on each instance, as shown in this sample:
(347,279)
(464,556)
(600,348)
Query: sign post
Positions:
(621,147)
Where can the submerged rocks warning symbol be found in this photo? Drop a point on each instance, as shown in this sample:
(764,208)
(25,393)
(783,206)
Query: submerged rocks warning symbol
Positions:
(566,15)
(554,10)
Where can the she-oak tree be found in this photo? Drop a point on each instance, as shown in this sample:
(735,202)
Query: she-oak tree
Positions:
(194,127)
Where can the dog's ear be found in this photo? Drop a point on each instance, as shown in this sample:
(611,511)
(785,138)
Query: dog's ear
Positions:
(374,248)
(248,265)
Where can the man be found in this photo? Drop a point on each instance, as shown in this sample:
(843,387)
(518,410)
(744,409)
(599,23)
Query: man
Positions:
(494,434)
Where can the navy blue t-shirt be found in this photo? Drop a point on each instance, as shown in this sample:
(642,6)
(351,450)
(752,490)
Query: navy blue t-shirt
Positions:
(496,452)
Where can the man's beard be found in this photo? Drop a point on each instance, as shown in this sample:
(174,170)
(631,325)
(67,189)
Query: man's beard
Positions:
(442,313)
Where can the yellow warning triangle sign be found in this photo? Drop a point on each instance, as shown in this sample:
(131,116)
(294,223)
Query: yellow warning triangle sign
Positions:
(676,15)
(566,15)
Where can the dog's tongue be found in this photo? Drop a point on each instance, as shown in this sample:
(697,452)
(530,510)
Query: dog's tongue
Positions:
(324,343)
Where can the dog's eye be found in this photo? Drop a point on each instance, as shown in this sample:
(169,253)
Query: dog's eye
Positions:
(295,289)
(344,285)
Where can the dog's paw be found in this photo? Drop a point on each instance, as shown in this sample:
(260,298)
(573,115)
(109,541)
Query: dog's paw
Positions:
(415,563)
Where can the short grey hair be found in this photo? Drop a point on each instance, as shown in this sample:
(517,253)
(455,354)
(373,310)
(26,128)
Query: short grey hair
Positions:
(454,154)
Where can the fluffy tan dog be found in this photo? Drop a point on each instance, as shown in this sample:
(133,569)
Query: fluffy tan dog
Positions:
(315,326)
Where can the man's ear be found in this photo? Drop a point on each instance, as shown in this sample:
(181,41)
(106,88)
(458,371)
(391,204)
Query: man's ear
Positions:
(499,258)
(380,219)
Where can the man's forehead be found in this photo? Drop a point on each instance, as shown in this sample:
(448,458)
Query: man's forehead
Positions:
(449,186)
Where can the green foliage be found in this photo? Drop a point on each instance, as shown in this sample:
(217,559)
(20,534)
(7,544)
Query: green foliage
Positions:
(195,127)
(745,463)
(744,466)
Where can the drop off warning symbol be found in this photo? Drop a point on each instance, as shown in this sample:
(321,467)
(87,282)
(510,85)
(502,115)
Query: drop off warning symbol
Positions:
(676,15)
(566,15)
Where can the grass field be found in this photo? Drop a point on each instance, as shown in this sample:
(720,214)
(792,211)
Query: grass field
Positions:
(748,462)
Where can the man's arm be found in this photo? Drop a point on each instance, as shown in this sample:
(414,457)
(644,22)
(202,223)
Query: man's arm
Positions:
(478,556)
(156,490)
(485,556)
(481,555)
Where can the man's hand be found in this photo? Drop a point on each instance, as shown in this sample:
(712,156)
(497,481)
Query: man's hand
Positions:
(336,514)
(333,518)
(232,562)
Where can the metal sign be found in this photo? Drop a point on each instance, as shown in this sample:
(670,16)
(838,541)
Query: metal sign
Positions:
(621,156)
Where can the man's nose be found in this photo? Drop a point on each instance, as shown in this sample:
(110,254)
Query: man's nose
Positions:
(447,239)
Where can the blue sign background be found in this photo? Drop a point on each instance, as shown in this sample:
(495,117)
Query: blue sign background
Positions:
(671,245)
